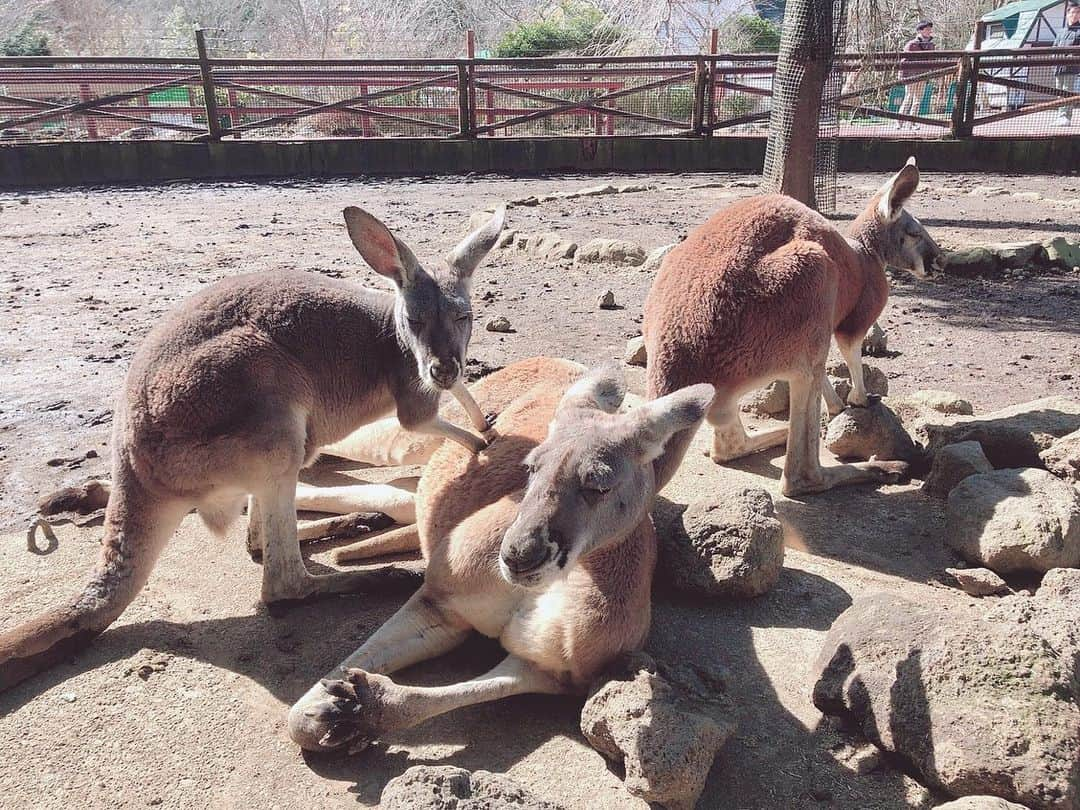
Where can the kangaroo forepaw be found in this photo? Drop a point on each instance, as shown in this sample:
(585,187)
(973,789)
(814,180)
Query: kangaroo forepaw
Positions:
(489,420)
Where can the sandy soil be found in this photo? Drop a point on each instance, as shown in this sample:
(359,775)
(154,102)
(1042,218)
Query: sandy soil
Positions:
(182,702)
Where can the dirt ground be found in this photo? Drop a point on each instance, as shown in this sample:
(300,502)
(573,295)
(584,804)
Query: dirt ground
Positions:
(182,702)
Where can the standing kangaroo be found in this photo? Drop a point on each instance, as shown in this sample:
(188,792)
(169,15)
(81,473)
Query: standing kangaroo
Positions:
(235,391)
(544,543)
(755,293)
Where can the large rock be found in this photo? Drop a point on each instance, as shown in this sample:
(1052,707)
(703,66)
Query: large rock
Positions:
(1062,458)
(730,549)
(610,251)
(1014,521)
(663,724)
(877,384)
(871,432)
(941,401)
(1013,436)
(1062,252)
(772,400)
(978,701)
(972,262)
(978,581)
(444,787)
(551,246)
(981,803)
(952,464)
(635,354)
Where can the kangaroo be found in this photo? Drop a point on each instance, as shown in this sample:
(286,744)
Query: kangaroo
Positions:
(545,543)
(754,294)
(235,391)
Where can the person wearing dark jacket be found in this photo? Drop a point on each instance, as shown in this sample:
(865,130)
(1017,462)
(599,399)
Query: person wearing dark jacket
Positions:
(913,93)
(1067,75)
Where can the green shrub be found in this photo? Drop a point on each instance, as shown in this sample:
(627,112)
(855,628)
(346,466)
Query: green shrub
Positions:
(27,41)
(577,28)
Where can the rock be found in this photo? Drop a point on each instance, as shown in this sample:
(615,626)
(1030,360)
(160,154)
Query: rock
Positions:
(635,352)
(1062,458)
(978,581)
(877,384)
(551,246)
(874,432)
(772,400)
(972,262)
(1017,255)
(977,700)
(506,239)
(988,191)
(952,464)
(744,184)
(444,787)
(1014,521)
(610,251)
(664,724)
(730,549)
(941,401)
(596,191)
(529,201)
(606,300)
(876,342)
(1062,252)
(631,188)
(500,323)
(1028,196)
(981,803)
(655,258)
(68,697)
(1014,436)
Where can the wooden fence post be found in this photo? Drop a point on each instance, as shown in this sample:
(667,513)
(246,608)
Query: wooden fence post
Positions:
(967,88)
(464,108)
(701,78)
(213,124)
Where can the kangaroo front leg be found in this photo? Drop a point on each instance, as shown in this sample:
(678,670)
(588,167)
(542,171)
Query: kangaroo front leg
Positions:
(832,399)
(465,398)
(371,706)
(852,353)
(440,427)
(418,631)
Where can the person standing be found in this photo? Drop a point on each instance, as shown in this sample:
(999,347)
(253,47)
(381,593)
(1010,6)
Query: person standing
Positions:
(913,93)
(1067,75)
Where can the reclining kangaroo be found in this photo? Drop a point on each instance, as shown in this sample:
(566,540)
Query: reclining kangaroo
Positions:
(235,391)
(754,294)
(545,544)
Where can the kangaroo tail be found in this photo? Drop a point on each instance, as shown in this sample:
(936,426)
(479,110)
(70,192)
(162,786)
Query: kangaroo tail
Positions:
(137,526)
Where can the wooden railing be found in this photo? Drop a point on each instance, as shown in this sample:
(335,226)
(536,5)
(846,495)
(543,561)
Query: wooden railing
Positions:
(959,93)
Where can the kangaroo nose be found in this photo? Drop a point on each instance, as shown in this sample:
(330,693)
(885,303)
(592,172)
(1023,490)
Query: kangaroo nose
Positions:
(444,372)
(525,556)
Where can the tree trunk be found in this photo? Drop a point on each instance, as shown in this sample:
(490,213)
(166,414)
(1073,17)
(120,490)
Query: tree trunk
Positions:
(807,47)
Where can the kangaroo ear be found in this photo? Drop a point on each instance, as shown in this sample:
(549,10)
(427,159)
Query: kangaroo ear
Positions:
(654,423)
(898,191)
(464,258)
(601,388)
(387,255)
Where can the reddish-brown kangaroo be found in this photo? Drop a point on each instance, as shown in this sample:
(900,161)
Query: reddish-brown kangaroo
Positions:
(237,389)
(754,294)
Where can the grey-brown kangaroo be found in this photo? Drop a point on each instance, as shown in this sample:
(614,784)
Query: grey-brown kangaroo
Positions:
(235,391)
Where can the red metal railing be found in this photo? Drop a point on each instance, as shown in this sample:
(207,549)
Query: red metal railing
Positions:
(933,94)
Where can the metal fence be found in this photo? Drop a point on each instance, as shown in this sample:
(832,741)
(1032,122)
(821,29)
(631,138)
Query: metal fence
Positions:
(963,94)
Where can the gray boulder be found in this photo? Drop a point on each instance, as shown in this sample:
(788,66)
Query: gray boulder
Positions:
(972,262)
(942,401)
(1014,521)
(663,724)
(610,251)
(1062,458)
(551,246)
(872,432)
(978,701)
(772,400)
(635,355)
(952,464)
(877,384)
(444,787)
(1014,436)
(731,549)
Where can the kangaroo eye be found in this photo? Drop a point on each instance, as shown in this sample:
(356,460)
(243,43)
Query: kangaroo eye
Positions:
(593,495)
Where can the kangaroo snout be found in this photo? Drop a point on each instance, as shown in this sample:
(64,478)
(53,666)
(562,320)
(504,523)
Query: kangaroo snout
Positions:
(444,372)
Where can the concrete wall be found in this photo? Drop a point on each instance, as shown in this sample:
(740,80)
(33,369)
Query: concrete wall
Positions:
(112,162)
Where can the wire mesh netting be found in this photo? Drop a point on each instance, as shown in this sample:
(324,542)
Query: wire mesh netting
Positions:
(1024,94)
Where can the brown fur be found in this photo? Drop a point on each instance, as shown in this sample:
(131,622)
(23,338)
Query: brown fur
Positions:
(755,292)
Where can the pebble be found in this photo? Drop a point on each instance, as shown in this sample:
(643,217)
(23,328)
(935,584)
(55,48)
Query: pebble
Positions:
(500,323)
(606,300)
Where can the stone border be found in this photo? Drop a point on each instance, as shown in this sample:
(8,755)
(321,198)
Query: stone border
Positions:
(52,165)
